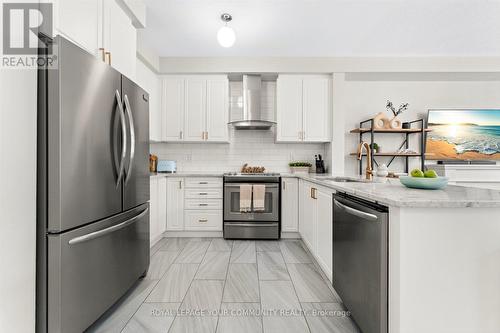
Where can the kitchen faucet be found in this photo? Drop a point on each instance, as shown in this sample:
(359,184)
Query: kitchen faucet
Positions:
(369,170)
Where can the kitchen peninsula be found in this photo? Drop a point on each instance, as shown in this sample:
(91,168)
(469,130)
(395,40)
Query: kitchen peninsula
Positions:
(444,255)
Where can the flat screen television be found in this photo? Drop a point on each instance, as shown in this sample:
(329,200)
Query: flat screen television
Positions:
(463,134)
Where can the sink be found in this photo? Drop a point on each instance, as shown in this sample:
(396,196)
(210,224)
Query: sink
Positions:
(346,180)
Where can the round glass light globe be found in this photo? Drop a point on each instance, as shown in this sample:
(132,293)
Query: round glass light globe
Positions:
(226,36)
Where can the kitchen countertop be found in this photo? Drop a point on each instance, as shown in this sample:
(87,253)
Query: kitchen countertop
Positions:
(392,193)
(188,174)
(389,192)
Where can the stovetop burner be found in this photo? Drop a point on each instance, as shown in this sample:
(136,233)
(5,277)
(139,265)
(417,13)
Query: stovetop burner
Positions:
(238,177)
(265,174)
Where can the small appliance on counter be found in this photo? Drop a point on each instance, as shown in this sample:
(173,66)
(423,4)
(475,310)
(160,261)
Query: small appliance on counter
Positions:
(320,164)
(165,166)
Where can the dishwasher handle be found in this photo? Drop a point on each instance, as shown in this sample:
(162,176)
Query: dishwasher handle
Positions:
(358,213)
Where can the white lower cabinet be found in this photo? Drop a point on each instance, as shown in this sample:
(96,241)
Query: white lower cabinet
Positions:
(194,204)
(324,229)
(308,212)
(315,222)
(199,220)
(203,204)
(175,204)
(157,208)
(289,204)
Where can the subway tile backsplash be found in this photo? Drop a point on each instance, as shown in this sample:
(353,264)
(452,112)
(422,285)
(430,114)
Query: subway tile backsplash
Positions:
(255,147)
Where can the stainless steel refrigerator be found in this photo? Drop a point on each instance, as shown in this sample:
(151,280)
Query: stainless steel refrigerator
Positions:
(93,189)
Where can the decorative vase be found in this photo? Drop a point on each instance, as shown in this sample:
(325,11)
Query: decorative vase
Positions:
(395,123)
(381,121)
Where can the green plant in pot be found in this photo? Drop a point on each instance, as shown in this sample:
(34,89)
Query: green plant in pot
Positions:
(299,167)
(376,147)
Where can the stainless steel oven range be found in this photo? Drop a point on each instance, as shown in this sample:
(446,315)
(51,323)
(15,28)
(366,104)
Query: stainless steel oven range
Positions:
(260,219)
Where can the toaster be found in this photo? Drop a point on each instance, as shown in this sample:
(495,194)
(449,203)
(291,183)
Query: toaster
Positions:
(166,166)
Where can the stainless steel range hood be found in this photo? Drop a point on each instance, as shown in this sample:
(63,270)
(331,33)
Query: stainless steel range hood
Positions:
(252,114)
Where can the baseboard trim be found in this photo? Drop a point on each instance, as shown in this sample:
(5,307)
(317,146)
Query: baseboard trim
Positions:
(170,234)
(287,235)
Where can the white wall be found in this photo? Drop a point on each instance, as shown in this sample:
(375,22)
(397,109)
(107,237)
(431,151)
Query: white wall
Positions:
(150,82)
(17,199)
(254,147)
(359,96)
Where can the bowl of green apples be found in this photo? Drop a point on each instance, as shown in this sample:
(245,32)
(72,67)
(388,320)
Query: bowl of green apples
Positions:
(428,180)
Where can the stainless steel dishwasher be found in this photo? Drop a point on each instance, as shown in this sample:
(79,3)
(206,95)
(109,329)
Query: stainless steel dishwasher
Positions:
(360,254)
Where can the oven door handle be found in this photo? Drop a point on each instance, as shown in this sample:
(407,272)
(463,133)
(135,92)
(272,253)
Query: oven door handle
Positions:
(251,224)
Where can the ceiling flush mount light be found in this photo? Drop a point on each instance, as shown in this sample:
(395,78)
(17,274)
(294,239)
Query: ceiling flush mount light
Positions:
(226,35)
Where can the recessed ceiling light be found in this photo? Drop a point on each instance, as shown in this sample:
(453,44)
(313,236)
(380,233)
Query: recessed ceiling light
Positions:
(226,35)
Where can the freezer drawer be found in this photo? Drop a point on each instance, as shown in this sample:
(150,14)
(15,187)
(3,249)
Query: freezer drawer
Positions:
(90,268)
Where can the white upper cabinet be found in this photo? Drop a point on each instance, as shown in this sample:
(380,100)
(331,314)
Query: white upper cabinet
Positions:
(172,110)
(99,27)
(195,108)
(304,108)
(79,21)
(217,110)
(317,109)
(289,107)
(195,111)
(119,39)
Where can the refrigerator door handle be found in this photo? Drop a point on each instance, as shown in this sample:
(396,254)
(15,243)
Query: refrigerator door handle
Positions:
(132,138)
(124,138)
(106,231)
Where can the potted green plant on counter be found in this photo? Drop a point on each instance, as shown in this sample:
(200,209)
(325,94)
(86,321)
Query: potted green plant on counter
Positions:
(299,167)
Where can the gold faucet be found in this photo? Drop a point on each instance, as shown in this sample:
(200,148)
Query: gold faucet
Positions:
(369,170)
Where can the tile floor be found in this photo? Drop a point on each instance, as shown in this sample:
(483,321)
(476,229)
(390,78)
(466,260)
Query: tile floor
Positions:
(214,285)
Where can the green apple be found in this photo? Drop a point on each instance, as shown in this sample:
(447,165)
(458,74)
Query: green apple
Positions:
(430,174)
(417,173)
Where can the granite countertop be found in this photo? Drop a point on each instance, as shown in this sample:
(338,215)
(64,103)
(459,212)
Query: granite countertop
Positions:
(392,193)
(389,192)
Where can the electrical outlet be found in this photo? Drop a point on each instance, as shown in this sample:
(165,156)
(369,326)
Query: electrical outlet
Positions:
(189,157)
(291,156)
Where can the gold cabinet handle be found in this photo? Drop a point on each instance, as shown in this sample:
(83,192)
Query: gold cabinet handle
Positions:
(103,57)
(107,55)
(203,220)
(180,184)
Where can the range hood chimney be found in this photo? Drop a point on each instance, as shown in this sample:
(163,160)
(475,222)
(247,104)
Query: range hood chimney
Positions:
(252,114)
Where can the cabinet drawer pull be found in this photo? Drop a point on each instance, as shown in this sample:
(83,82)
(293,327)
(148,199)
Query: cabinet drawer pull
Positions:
(203,204)
(103,57)
(203,220)
(180,184)
(203,193)
(107,55)
(203,183)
